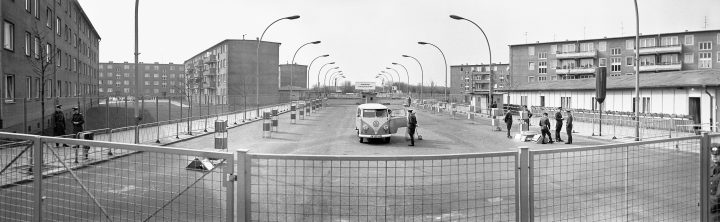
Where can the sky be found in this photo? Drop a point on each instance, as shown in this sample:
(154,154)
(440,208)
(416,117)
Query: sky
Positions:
(365,36)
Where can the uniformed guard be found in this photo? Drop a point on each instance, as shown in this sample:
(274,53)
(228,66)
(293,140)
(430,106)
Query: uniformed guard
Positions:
(558,124)
(569,126)
(508,122)
(545,128)
(714,181)
(412,124)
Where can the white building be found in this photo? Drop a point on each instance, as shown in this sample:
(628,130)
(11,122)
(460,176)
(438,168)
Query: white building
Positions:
(692,93)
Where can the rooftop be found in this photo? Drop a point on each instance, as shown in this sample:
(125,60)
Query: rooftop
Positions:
(692,78)
(619,37)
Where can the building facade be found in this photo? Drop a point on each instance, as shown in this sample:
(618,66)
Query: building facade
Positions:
(471,83)
(299,75)
(564,60)
(45,40)
(156,79)
(226,73)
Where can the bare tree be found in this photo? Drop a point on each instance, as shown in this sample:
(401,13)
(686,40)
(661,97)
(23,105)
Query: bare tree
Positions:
(41,60)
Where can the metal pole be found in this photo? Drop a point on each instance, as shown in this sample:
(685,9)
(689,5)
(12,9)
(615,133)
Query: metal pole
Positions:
(310,66)
(157,121)
(137,78)
(446,71)
(257,63)
(407,87)
(422,74)
(637,72)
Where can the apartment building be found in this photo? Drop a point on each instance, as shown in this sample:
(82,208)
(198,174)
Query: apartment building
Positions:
(471,83)
(56,35)
(299,75)
(156,79)
(678,74)
(226,73)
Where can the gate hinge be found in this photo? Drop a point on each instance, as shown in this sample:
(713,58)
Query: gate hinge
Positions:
(231,177)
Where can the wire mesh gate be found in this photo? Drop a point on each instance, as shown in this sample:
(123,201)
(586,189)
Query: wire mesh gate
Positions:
(139,183)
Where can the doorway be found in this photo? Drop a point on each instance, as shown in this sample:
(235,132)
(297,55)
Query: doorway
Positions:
(694,109)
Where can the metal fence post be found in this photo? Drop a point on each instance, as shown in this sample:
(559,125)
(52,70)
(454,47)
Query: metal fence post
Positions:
(705,177)
(243,186)
(157,121)
(37,179)
(523,188)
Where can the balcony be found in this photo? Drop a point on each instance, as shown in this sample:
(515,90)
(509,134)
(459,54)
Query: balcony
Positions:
(675,66)
(574,70)
(210,72)
(211,59)
(661,49)
(576,55)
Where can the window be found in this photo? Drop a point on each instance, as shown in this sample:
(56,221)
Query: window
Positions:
(28,6)
(49,15)
(689,40)
(37,88)
(523,100)
(704,60)
(147,83)
(669,41)
(645,105)
(58,25)
(531,50)
(8,36)
(565,102)
(126,82)
(630,44)
(718,57)
(647,42)
(568,64)
(36,47)
(629,61)
(669,59)
(28,43)
(553,49)
(552,78)
(542,78)
(156,91)
(586,63)
(587,47)
(28,87)
(615,51)
(9,88)
(109,82)
(48,52)
(602,62)
(35,8)
(147,75)
(157,68)
(126,67)
(718,38)
(541,55)
(531,65)
(156,75)
(705,45)
(615,63)
(164,77)
(531,78)
(647,60)
(566,48)
(542,67)
(156,83)
(602,46)
(59,58)
(689,58)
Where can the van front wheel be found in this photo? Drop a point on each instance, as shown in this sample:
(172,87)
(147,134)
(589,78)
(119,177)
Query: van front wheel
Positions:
(361,140)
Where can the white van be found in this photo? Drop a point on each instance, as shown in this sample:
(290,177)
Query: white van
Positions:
(377,121)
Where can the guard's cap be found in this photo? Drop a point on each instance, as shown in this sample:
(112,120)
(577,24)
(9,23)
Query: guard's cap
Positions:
(715,149)
(410,110)
(75,108)
(567,110)
(58,106)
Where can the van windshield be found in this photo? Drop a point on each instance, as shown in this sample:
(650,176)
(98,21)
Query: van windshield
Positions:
(373,113)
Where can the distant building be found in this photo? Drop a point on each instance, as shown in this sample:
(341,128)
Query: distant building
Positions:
(118,79)
(31,30)
(226,73)
(300,75)
(471,83)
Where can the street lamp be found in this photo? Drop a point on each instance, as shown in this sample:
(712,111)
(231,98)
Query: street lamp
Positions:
(257,62)
(387,73)
(335,80)
(318,77)
(422,73)
(446,71)
(292,65)
(309,66)
(407,87)
(490,96)
(138,118)
(326,75)
(637,74)
(326,82)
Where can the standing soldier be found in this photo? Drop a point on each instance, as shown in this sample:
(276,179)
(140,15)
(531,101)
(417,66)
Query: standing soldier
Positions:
(714,181)
(545,128)
(508,122)
(569,126)
(558,124)
(412,123)
(59,121)
(77,121)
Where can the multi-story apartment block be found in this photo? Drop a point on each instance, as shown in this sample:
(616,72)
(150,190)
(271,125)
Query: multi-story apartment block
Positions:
(226,72)
(563,60)
(299,77)
(118,79)
(471,83)
(678,74)
(56,35)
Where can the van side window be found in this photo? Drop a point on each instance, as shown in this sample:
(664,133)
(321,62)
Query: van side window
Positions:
(358,113)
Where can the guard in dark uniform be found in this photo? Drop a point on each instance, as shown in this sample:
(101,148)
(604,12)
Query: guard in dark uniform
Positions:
(412,124)
(545,128)
(508,122)
(558,124)
(714,181)
(569,126)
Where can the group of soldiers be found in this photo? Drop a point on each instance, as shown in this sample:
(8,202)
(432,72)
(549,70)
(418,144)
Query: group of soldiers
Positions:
(59,128)
(545,125)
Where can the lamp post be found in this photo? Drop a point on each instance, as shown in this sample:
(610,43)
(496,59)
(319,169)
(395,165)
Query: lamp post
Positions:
(318,77)
(292,65)
(325,82)
(309,66)
(446,71)
(407,87)
(138,118)
(396,73)
(422,73)
(390,75)
(336,78)
(637,73)
(257,62)
(490,96)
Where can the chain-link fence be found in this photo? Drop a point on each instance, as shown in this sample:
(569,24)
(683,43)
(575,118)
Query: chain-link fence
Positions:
(79,182)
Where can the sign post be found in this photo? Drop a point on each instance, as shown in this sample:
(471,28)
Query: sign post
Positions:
(600,88)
